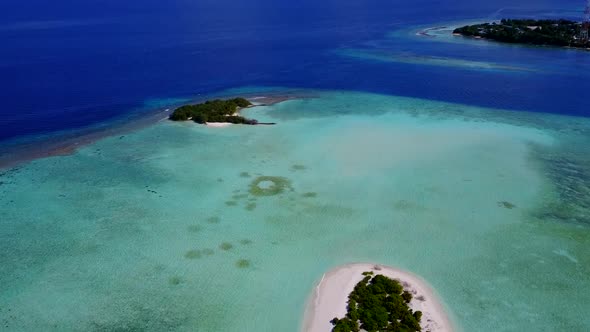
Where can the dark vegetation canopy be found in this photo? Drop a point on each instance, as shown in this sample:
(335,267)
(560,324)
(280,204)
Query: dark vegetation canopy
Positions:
(378,303)
(213,111)
(533,32)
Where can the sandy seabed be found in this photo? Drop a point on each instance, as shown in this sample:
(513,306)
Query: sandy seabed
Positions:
(330,296)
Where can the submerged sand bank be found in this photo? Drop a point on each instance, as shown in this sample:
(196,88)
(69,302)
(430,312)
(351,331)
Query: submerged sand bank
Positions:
(331,294)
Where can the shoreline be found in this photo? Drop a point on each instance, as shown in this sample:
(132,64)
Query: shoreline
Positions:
(439,29)
(266,101)
(218,124)
(330,295)
(15,152)
(457,34)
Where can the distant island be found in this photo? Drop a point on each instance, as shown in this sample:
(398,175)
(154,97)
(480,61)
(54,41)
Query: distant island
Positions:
(562,33)
(378,303)
(215,111)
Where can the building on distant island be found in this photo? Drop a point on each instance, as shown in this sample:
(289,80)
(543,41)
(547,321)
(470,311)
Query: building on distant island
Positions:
(585,23)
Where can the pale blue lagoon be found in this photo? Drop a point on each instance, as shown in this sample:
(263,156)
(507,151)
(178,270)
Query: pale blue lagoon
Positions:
(160,229)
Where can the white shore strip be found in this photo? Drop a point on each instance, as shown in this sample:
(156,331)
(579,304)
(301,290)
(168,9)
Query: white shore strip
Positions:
(218,124)
(330,298)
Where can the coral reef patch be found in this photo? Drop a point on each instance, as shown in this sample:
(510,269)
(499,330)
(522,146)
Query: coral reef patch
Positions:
(269,185)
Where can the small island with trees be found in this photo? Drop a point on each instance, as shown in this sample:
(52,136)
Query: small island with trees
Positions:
(561,33)
(224,111)
(378,303)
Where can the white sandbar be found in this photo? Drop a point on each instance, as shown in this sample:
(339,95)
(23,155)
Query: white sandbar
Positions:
(330,297)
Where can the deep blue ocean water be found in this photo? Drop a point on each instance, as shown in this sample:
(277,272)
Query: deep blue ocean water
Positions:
(70,64)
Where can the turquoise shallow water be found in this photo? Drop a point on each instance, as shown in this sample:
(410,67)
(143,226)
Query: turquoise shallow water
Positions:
(159,229)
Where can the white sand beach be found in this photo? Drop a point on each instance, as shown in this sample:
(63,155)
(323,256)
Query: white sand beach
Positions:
(218,124)
(331,294)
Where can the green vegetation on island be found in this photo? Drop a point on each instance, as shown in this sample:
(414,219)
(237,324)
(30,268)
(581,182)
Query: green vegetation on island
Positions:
(214,111)
(525,31)
(378,303)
